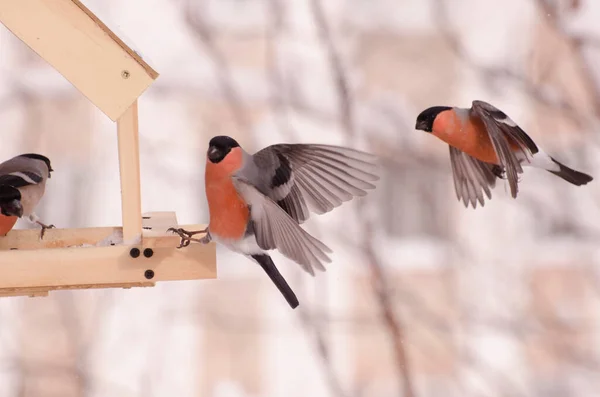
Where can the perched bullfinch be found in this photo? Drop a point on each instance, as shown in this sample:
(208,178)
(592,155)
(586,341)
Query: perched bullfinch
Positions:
(257,202)
(486,144)
(22,185)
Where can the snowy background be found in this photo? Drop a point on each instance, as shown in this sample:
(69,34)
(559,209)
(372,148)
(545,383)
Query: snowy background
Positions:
(424,297)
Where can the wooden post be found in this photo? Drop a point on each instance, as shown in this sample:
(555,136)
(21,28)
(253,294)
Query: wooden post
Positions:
(129,167)
(112,76)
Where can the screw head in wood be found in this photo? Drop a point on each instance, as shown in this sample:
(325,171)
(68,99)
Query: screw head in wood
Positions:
(149,274)
(125,74)
(148,252)
(135,252)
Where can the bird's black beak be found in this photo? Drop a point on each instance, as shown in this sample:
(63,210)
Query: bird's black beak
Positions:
(213,153)
(421,125)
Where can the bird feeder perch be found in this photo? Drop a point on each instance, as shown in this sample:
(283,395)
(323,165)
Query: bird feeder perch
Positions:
(112,76)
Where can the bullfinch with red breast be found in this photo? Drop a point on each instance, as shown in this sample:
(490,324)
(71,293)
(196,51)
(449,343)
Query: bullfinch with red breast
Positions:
(258,201)
(6,224)
(486,144)
(22,185)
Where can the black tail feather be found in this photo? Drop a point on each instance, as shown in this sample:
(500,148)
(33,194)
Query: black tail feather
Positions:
(570,175)
(268,266)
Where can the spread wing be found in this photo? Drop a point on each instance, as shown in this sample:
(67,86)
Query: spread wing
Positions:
(472,177)
(275,229)
(503,132)
(309,177)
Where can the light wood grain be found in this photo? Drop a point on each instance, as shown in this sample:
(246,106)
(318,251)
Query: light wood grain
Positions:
(43,291)
(31,292)
(69,267)
(57,238)
(129,168)
(79,46)
(154,229)
(29,239)
(30,266)
(151,72)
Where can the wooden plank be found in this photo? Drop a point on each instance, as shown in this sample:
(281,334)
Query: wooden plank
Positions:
(31,292)
(154,229)
(43,291)
(58,238)
(156,223)
(84,258)
(129,167)
(151,72)
(80,47)
(29,239)
(60,267)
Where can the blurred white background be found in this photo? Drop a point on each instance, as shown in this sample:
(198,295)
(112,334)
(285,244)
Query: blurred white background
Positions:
(424,297)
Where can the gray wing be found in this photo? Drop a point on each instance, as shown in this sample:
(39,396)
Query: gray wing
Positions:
(275,229)
(28,177)
(503,131)
(472,177)
(20,172)
(20,179)
(308,177)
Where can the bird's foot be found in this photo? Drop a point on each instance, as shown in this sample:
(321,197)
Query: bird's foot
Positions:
(186,236)
(44,227)
(499,171)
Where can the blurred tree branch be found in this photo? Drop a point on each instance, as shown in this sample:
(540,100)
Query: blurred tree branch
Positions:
(391,319)
(205,37)
(280,89)
(549,10)
(346,106)
(490,73)
(323,350)
(345,97)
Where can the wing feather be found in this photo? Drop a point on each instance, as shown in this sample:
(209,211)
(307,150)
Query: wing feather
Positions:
(502,131)
(472,178)
(20,179)
(324,176)
(276,229)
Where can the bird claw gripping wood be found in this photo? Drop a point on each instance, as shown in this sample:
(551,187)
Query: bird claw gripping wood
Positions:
(44,227)
(186,236)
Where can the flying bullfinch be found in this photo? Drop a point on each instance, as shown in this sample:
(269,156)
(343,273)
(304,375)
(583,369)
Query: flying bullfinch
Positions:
(486,144)
(258,201)
(22,185)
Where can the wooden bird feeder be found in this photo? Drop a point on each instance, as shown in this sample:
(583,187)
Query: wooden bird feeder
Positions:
(112,76)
